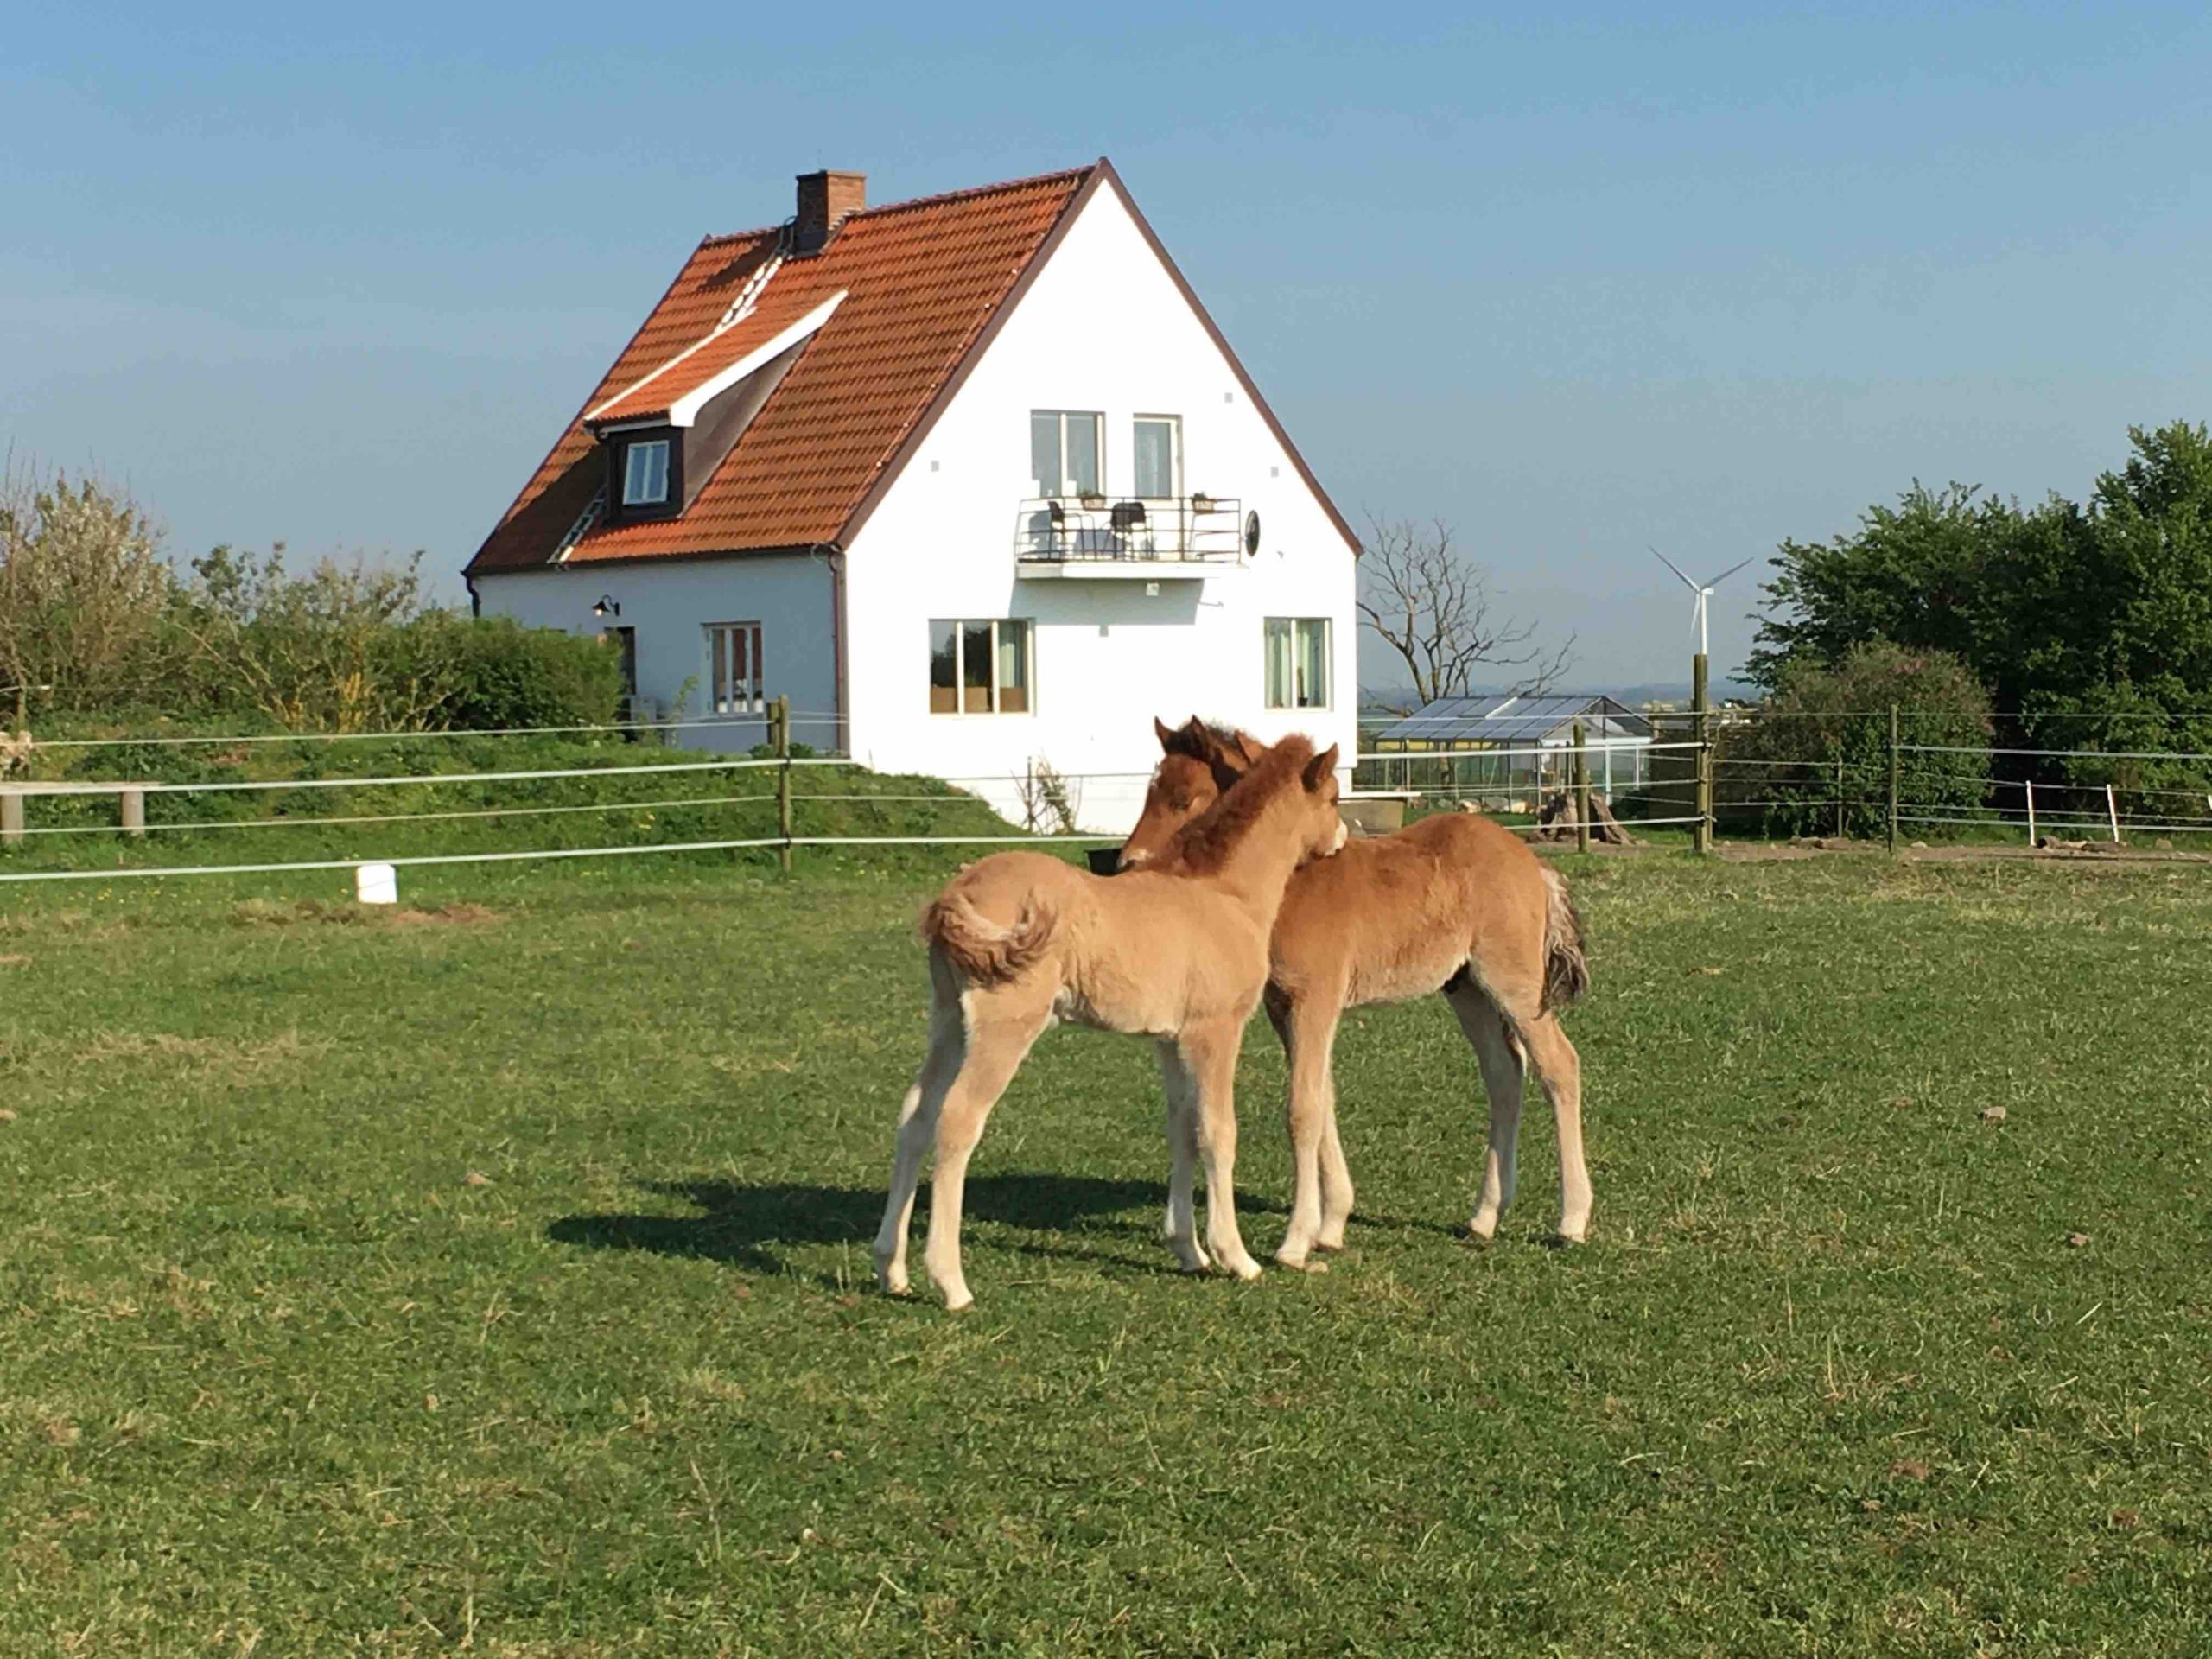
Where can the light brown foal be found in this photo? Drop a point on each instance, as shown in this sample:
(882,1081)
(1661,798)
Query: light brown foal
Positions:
(1020,940)
(1456,904)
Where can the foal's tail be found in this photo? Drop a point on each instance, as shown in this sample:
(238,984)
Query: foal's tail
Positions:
(984,952)
(1566,973)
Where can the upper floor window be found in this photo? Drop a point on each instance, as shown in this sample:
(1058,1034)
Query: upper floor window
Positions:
(645,473)
(1297,661)
(734,668)
(979,668)
(1158,449)
(1065,452)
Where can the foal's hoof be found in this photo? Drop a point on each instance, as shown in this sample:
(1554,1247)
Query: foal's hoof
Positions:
(1246,1268)
(1300,1263)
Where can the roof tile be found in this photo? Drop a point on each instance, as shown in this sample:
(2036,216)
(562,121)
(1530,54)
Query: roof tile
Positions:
(922,280)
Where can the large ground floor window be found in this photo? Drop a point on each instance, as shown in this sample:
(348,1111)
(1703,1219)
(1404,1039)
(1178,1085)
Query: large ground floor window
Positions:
(1297,661)
(980,668)
(735,681)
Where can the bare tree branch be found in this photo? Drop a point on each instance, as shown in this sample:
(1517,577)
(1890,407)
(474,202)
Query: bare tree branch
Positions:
(1432,606)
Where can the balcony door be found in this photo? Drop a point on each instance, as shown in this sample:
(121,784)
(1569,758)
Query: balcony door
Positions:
(1157,445)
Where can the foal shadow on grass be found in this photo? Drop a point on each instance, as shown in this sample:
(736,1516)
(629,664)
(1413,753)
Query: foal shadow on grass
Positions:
(748,1226)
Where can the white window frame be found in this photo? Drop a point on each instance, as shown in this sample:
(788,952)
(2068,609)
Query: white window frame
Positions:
(631,456)
(1174,425)
(1298,625)
(1063,487)
(730,693)
(960,625)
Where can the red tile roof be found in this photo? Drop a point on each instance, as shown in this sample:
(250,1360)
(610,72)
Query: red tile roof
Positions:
(925,282)
(922,280)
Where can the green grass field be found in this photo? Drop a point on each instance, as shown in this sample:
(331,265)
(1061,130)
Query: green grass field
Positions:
(496,1278)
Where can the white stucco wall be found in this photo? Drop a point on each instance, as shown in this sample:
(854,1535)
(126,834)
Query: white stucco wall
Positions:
(1103,327)
(669,603)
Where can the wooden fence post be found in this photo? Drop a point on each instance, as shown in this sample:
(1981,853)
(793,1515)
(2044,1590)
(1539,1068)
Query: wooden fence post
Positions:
(2031,811)
(1893,780)
(131,811)
(11,818)
(781,723)
(1842,824)
(2112,811)
(1582,793)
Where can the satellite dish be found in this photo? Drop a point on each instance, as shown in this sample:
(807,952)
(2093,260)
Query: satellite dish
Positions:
(1251,533)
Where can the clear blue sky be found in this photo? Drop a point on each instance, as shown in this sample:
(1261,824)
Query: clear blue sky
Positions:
(1697,277)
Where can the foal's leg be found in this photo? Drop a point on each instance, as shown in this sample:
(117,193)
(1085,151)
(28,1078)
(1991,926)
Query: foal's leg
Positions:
(997,1040)
(917,1126)
(1308,1028)
(1336,1177)
(1210,1052)
(1559,1068)
(1181,1229)
(1500,1058)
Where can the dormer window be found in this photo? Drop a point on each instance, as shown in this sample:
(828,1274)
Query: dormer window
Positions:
(645,473)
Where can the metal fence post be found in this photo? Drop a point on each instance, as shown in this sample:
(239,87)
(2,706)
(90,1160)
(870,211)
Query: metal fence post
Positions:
(1582,793)
(1842,823)
(1701,831)
(782,727)
(1893,779)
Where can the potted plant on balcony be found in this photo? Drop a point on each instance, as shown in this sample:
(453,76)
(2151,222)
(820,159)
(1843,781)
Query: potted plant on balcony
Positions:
(1091,497)
(1201,502)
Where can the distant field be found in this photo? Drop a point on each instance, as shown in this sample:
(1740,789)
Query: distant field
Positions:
(495,1276)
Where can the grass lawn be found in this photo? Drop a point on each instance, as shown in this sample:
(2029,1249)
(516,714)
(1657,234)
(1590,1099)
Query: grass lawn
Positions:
(499,1279)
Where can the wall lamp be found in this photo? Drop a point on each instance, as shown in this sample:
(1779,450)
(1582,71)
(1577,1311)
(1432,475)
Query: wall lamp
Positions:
(605,608)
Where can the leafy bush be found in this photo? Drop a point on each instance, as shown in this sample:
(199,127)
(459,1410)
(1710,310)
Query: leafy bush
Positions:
(95,623)
(1779,769)
(83,591)
(492,673)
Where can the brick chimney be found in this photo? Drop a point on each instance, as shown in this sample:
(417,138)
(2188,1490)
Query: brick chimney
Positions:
(824,200)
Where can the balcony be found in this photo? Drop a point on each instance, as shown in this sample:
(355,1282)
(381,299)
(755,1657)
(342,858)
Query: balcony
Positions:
(1097,538)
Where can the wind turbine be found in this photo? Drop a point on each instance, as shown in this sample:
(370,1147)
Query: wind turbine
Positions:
(1703,592)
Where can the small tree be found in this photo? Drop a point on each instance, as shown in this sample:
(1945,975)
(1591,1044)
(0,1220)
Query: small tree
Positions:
(83,589)
(1816,756)
(324,651)
(1431,606)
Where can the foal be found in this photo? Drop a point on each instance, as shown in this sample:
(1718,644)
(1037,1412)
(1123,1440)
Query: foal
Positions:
(1020,940)
(1456,903)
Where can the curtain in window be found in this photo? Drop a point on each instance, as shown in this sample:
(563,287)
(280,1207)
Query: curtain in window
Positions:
(1014,668)
(1277,644)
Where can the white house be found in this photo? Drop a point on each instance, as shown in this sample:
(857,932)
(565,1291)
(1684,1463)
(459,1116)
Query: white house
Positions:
(973,479)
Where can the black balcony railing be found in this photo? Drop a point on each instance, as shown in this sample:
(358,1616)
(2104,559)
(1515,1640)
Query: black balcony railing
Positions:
(1180,530)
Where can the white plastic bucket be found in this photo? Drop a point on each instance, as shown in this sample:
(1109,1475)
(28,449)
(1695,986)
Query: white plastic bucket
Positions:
(376,884)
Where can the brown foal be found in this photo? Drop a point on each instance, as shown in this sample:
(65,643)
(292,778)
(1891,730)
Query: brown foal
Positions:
(1456,904)
(1020,940)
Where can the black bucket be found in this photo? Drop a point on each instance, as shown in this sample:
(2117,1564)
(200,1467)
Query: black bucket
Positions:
(1105,861)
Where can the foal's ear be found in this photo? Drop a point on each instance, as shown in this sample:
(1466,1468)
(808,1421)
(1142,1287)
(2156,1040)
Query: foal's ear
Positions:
(1165,734)
(1319,769)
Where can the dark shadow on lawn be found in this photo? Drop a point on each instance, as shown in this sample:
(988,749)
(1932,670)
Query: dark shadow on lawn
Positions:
(742,1224)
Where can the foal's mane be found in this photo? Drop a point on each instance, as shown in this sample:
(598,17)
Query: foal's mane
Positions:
(1190,740)
(1203,845)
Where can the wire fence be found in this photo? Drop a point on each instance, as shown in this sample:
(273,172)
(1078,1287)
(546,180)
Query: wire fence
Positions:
(94,808)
